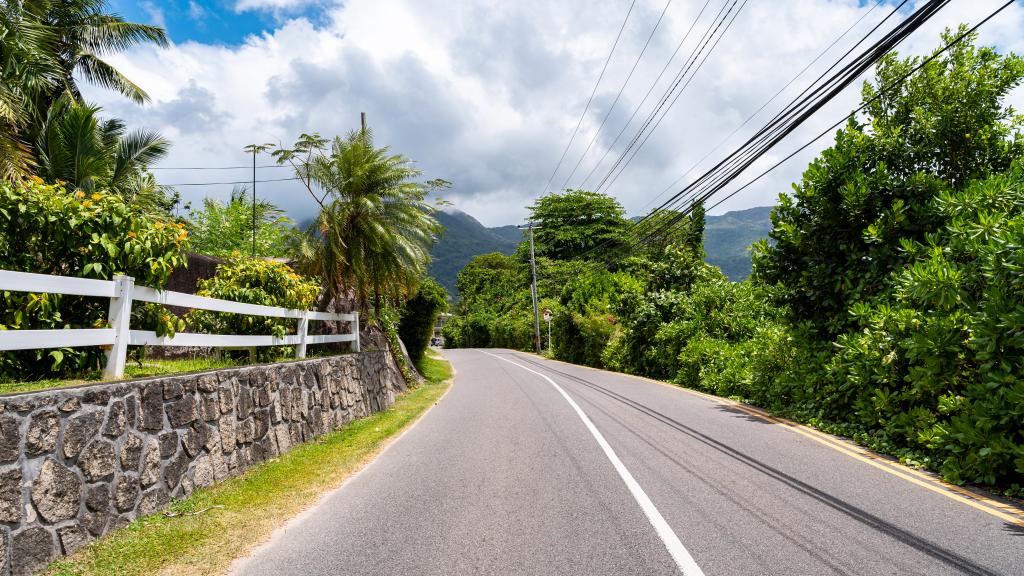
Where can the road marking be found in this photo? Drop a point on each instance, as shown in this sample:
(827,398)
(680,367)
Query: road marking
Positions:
(679,553)
(980,502)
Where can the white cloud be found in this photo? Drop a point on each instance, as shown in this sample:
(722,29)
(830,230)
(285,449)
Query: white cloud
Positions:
(486,93)
(196,11)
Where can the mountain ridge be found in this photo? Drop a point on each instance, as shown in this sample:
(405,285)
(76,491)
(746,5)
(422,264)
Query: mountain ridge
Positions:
(727,240)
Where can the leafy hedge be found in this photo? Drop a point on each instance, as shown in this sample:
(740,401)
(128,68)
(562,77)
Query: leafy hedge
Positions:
(254,281)
(419,314)
(45,229)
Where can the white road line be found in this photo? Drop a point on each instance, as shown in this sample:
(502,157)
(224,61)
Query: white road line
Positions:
(679,553)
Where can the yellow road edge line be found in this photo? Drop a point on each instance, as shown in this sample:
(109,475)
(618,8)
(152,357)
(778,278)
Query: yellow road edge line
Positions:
(1001,510)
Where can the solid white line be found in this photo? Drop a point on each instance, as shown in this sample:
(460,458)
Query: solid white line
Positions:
(679,553)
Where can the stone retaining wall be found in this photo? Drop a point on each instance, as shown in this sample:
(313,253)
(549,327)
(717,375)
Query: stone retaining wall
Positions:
(76,463)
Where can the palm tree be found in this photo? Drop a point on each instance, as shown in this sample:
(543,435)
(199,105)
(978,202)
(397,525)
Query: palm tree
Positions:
(373,234)
(79,148)
(85,34)
(28,67)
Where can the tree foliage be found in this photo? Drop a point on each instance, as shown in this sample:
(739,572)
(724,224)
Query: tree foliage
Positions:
(254,281)
(419,314)
(224,228)
(837,239)
(575,222)
(375,228)
(47,229)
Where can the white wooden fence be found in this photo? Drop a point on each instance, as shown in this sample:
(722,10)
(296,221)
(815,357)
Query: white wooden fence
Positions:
(122,291)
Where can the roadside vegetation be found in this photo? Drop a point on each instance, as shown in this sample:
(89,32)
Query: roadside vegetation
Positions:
(886,304)
(205,532)
(77,198)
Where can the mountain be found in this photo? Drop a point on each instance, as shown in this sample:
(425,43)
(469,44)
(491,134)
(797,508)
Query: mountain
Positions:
(464,238)
(727,239)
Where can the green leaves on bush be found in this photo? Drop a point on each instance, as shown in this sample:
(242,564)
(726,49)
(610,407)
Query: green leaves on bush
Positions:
(47,230)
(419,314)
(254,281)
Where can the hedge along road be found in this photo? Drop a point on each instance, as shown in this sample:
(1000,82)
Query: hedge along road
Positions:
(536,467)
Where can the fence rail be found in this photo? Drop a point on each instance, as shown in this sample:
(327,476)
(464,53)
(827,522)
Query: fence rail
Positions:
(122,291)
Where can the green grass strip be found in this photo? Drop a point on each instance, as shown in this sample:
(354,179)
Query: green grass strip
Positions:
(214,526)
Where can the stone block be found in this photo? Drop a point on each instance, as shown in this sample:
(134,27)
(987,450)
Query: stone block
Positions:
(228,436)
(175,469)
(117,420)
(97,461)
(10,437)
(72,538)
(131,451)
(150,472)
(10,496)
(126,492)
(56,492)
(153,500)
(168,443)
(183,411)
(42,433)
(97,497)
(209,407)
(152,406)
(31,550)
(203,474)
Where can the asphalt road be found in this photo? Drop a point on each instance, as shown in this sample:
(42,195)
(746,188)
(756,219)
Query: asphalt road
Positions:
(617,476)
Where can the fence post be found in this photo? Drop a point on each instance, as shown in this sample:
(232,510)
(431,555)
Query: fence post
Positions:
(119,316)
(355,327)
(300,348)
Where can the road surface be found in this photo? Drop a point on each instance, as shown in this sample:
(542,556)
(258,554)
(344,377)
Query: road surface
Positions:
(529,466)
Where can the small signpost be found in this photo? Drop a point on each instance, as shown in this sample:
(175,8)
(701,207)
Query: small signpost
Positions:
(547,317)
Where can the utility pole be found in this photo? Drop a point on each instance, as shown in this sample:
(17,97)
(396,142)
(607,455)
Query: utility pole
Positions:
(533,288)
(362,120)
(255,149)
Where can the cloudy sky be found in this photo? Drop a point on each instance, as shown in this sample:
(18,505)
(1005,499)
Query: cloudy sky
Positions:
(486,93)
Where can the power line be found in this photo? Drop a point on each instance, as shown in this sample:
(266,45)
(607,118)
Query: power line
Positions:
(249,167)
(650,90)
(709,34)
(250,181)
(765,105)
(912,23)
(619,95)
(591,98)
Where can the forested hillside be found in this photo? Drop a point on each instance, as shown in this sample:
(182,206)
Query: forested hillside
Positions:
(464,237)
(727,241)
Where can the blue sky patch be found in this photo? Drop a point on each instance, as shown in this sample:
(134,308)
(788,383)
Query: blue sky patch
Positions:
(207,21)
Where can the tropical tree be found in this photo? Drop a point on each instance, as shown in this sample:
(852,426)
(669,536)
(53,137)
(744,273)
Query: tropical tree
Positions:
(78,147)
(221,229)
(85,34)
(572,224)
(28,67)
(375,228)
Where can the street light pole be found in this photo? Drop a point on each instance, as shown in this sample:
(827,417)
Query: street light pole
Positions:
(533,288)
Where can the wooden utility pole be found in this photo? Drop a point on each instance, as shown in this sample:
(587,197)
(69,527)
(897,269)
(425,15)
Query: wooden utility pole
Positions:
(533,288)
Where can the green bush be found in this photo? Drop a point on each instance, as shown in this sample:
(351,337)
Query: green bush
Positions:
(254,281)
(936,367)
(46,230)
(419,314)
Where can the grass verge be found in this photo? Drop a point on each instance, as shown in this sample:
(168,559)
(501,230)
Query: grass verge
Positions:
(132,370)
(216,525)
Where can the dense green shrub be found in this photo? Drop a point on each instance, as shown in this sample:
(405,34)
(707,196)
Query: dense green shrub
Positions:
(254,281)
(47,230)
(937,367)
(419,314)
